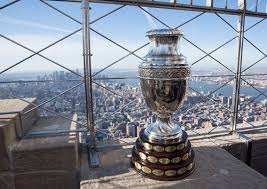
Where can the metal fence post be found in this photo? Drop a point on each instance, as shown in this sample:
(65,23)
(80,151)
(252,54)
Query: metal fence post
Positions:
(93,156)
(87,70)
(236,90)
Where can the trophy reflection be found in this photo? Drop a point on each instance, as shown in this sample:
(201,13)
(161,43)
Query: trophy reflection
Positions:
(162,151)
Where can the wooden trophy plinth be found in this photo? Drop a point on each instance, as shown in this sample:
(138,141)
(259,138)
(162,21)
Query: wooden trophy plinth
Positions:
(169,160)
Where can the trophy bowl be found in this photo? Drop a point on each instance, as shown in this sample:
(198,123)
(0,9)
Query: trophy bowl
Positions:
(163,151)
(163,97)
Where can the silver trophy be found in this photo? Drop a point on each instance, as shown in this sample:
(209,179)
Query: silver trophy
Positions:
(164,74)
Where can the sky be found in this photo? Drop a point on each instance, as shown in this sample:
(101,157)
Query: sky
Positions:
(35,25)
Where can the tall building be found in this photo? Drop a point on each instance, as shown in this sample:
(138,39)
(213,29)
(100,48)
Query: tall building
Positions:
(131,129)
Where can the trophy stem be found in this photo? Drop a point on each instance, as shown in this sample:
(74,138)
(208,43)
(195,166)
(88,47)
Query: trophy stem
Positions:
(166,120)
(165,125)
(163,129)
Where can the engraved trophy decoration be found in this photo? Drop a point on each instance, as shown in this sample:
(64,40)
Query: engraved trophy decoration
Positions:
(162,151)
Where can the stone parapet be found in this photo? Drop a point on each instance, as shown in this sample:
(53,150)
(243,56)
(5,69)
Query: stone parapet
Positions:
(13,125)
(47,161)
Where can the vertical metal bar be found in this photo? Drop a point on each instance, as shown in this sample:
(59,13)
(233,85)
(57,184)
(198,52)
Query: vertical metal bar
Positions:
(209,3)
(225,4)
(236,91)
(21,126)
(87,70)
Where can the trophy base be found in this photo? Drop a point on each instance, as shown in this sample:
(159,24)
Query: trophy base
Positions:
(159,161)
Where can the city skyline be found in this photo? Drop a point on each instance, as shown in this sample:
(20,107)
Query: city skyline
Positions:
(197,112)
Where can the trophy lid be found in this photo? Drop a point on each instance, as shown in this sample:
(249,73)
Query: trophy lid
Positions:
(164,32)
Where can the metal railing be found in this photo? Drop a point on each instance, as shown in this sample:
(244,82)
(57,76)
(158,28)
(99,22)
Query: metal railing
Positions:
(88,79)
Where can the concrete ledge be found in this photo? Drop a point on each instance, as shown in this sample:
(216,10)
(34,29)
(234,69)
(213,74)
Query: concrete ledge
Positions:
(258,151)
(249,145)
(12,126)
(47,161)
(5,129)
(215,169)
(22,124)
(41,147)
(54,153)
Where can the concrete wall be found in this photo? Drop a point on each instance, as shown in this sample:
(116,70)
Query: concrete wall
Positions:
(12,127)
(258,152)
(7,139)
(48,161)
(249,145)
(252,150)
(38,162)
